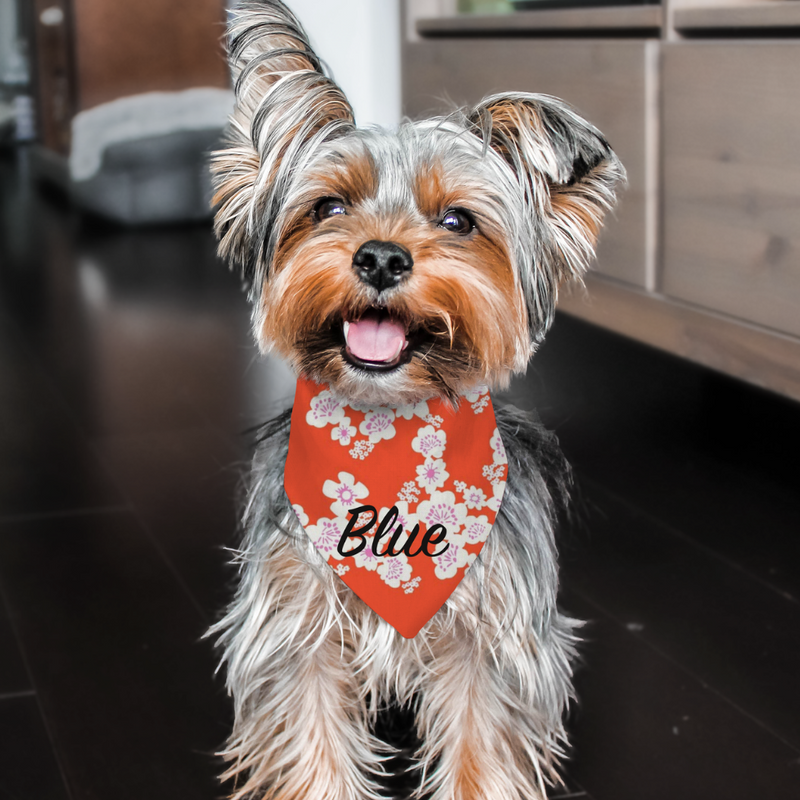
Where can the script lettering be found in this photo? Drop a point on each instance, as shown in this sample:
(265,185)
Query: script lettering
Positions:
(435,535)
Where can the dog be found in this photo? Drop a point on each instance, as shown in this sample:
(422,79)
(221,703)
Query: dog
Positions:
(443,245)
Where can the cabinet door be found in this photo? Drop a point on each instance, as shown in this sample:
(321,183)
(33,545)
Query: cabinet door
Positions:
(604,80)
(732,179)
(124,48)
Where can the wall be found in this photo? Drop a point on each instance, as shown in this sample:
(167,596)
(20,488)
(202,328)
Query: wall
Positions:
(8,30)
(360,42)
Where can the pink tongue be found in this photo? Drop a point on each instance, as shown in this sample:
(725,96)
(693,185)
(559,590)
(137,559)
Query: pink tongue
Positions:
(375,338)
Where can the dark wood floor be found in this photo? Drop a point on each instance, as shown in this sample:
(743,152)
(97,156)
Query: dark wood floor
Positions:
(127,385)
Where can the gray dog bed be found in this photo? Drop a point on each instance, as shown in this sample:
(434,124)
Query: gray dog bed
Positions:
(143,159)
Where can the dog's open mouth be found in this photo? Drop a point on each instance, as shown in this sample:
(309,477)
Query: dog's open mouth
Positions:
(376,341)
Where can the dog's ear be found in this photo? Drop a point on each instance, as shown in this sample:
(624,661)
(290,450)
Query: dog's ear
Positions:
(568,174)
(285,105)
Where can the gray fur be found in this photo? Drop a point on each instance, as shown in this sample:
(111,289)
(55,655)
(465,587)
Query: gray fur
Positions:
(295,123)
(503,613)
(308,663)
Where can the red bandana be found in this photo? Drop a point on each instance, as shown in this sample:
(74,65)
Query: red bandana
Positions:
(425,483)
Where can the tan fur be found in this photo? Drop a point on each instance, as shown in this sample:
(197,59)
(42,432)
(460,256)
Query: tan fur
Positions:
(468,669)
(309,665)
(457,287)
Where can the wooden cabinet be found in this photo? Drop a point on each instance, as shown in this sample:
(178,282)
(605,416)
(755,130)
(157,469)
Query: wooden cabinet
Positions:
(731,122)
(701,99)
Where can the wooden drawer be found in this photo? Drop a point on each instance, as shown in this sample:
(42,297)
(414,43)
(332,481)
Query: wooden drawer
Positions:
(732,179)
(604,80)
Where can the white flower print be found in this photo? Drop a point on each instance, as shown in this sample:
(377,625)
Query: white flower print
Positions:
(475,395)
(343,432)
(442,509)
(497,498)
(498,448)
(377,425)
(404,519)
(366,517)
(404,412)
(404,516)
(409,492)
(346,494)
(474,498)
(363,407)
(452,560)
(365,523)
(341,569)
(429,442)
(407,412)
(366,559)
(409,586)
(493,473)
(361,449)
(432,474)
(481,405)
(436,420)
(326,535)
(476,529)
(301,515)
(325,410)
(395,570)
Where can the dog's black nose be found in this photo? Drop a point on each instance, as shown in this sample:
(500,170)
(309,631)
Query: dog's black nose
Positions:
(382,264)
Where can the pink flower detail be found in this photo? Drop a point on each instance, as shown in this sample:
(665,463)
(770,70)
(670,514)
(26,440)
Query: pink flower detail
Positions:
(429,442)
(432,474)
(395,570)
(326,535)
(325,410)
(442,514)
(378,425)
(453,559)
(346,493)
(477,393)
(474,497)
(404,520)
(442,509)
(343,432)
(499,448)
(366,559)
(476,529)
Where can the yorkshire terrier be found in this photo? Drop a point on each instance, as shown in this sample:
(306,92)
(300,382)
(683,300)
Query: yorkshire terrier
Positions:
(399,269)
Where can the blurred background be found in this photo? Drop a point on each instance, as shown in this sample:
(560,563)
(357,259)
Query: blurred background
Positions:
(130,386)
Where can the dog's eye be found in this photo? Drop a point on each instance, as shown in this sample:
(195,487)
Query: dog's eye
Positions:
(329,207)
(457,221)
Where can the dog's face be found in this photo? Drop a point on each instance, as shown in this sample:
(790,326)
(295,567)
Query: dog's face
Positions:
(396,267)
